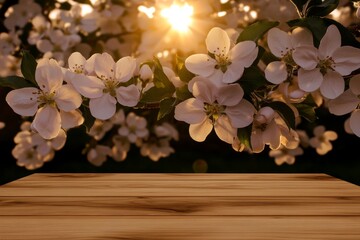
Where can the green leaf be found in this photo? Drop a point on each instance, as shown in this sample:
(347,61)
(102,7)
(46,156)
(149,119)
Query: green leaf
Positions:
(28,66)
(318,27)
(163,87)
(166,106)
(307,109)
(183,93)
(285,112)
(244,135)
(256,30)
(252,79)
(88,118)
(321,8)
(15,82)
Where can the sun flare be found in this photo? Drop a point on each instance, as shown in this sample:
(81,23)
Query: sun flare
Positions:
(179,17)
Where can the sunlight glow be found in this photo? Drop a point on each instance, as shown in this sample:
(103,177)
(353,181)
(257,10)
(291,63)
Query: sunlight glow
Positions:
(179,17)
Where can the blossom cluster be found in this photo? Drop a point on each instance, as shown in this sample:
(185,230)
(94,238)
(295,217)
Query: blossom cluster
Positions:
(252,77)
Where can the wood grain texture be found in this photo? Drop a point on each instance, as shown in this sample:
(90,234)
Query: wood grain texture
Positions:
(179,207)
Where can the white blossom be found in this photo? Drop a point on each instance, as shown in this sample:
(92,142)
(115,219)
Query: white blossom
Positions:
(324,68)
(227,64)
(135,128)
(46,103)
(321,140)
(221,108)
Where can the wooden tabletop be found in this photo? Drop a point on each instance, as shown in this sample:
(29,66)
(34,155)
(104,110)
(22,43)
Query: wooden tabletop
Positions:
(179,207)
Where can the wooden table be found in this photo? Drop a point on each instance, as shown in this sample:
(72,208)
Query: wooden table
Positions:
(179,207)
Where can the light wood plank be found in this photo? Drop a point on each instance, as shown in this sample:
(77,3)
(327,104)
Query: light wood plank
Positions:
(180,228)
(180,188)
(179,206)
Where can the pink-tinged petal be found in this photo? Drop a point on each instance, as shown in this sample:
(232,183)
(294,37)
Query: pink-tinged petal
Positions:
(276,72)
(44,149)
(88,86)
(60,140)
(128,96)
(224,130)
(330,42)
(343,104)
(71,119)
(306,57)
(301,36)
(266,112)
(244,52)
(47,122)
(271,135)
(257,143)
(67,98)
(217,78)
(233,73)
(76,62)
(90,64)
(103,107)
(279,42)
(230,95)
(347,59)
(23,101)
(310,80)
(104,66)
(218,41)
(48,75)
(204,91)
(201,64)
(354,85)
(241,115)
(355,122)
(146,73)
(200,131)
(333,85)
(125,68)
(190,111)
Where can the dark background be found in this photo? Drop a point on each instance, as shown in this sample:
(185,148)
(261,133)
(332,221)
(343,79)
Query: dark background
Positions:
(212,156)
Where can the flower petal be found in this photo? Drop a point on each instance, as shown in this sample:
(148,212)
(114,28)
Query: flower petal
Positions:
(301,36)
(47,122)
(257,143)
(230,95)
(71,119)
(200,64)
(60,140)
(355,122)
(347,59)
(88,86)
(218,41)
(276,72)
(103,107)
(200,131)
(244,53)
(271,135)
(310,80)
(104,66)
(190,111)
(306,57)
(125,68)
(279,42)
(330,42)
(241,115)
(67,98)
(333,85)
(128,96)
(23,101)
(204,91)
(48,75)
(354,85)
(233,73)
(224,130)
(343,104)
(90,64)
(76,61)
